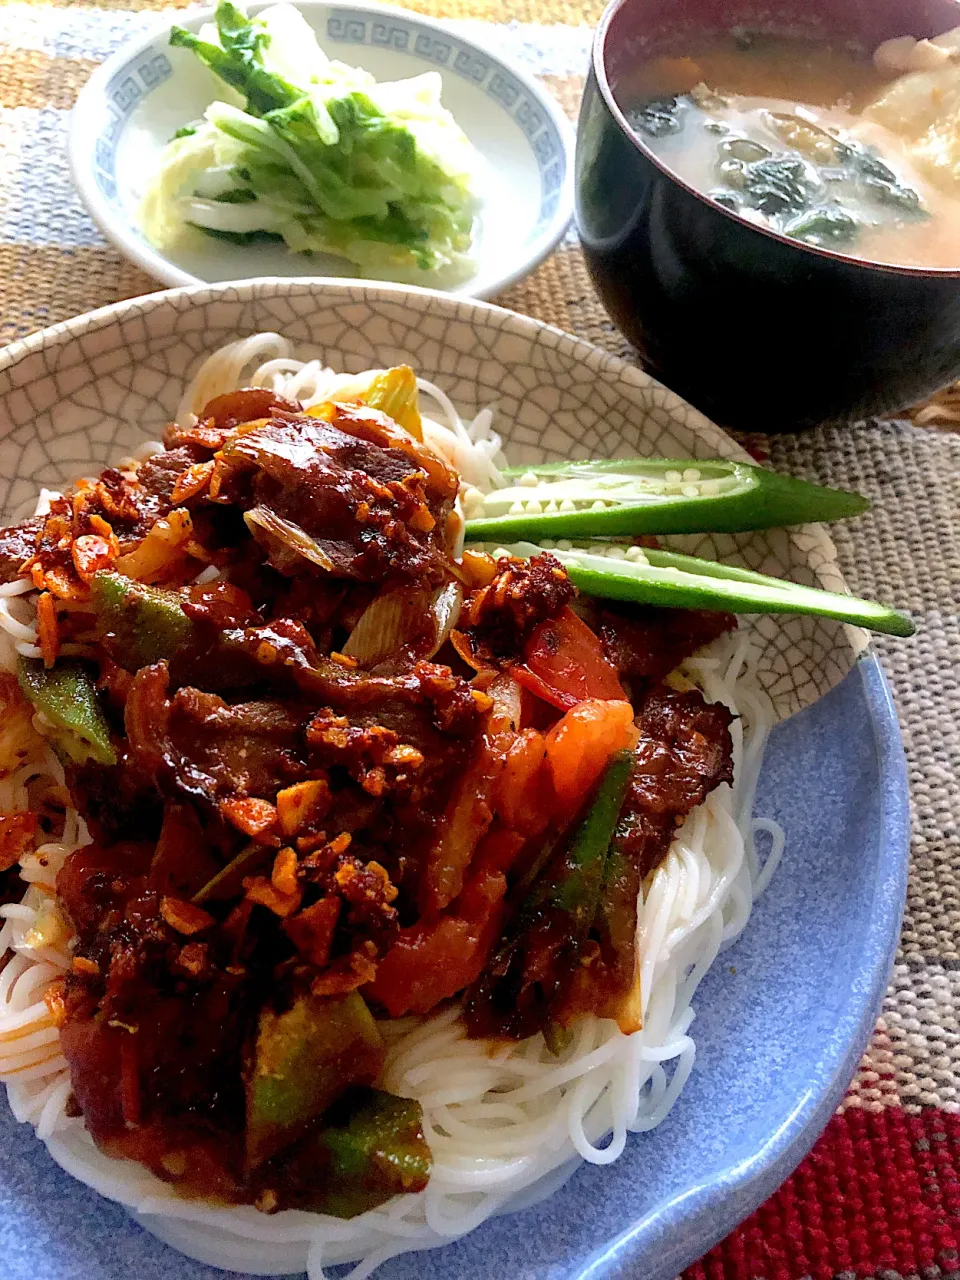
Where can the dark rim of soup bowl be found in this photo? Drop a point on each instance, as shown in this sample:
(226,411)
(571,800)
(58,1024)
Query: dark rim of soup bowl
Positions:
(599,60)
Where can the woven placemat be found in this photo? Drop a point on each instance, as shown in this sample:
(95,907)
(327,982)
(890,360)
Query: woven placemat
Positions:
(880,1196)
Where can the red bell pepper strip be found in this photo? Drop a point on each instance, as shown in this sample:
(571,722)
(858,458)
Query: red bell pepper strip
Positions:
(565,664)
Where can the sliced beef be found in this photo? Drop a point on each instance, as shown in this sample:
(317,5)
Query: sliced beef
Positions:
(18,542)
(684,752)
(159,473)
(645,642)
(284,654)
(252,749)
(321,498)
(500,617)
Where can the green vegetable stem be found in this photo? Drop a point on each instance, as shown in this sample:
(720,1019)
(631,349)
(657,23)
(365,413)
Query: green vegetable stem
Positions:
(66,697)
(303,1060)
(577,883)
(644,576)
(526,978)
(370,1147)
(136,624)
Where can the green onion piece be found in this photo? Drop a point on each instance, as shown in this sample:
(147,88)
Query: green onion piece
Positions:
(518,991)
(687,582)
(228,882)
(650,495)
(575,888)
(66,697)
(369,1147)
(136,624)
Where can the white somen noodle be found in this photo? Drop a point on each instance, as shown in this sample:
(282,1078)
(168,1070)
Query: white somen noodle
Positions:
(506,1125)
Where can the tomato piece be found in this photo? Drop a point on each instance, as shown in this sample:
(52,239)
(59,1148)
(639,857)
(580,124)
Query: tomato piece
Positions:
(540,689)
(565,663)
(580,745)
(432,961)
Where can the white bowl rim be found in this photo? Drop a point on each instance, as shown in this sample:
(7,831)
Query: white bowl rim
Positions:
(80,144)
(248,287)
(605,363)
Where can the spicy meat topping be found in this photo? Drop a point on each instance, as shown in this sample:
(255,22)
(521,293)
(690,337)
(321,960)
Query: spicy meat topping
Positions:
(289,839)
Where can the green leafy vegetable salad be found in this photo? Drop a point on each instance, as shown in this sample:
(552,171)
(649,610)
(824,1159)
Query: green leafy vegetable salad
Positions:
(316,154)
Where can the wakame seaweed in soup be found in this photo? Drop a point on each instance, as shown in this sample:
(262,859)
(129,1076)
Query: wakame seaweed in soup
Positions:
(783,132)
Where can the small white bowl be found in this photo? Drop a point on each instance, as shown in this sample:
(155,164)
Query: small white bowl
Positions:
(132,105)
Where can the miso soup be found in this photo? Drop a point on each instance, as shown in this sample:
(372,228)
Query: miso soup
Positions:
(812,140)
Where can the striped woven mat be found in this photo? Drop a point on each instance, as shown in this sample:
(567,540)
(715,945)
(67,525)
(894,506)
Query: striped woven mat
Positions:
(880,1195)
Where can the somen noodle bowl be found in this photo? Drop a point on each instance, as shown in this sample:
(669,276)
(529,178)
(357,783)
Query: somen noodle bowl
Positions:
(506,1123)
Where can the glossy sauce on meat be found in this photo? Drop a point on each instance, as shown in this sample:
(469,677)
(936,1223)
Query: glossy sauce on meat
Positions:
(289,841)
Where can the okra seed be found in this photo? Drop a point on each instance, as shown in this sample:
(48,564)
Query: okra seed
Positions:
(691,473)
(614,553)
(516,509)
(551,508)
(534,507)
(564,545)
(566,505)
(548,544)
(710,488)
(529,480)
(690,491)
(635,554)
(599,505)
(672,477)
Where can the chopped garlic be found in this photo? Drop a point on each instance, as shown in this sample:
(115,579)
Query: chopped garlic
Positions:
(49,929)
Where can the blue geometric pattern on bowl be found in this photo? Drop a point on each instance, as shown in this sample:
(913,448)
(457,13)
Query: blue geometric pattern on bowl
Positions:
(355,26)
(126,91)
(348,26)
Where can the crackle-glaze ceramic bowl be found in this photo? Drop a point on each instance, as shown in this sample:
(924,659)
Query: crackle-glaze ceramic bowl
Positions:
(783,1015)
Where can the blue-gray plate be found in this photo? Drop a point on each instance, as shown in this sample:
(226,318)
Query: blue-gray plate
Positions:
(783,1015)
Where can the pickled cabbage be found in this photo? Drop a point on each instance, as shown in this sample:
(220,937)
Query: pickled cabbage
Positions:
(315,153)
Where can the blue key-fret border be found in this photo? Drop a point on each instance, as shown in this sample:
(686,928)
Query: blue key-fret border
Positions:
(125,92)
(446,51)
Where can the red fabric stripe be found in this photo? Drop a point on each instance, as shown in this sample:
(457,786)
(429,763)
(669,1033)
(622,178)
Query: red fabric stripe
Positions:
(880,1191)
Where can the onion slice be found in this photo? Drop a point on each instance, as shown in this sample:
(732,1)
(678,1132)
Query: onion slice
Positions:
(405,617)
(286,535)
